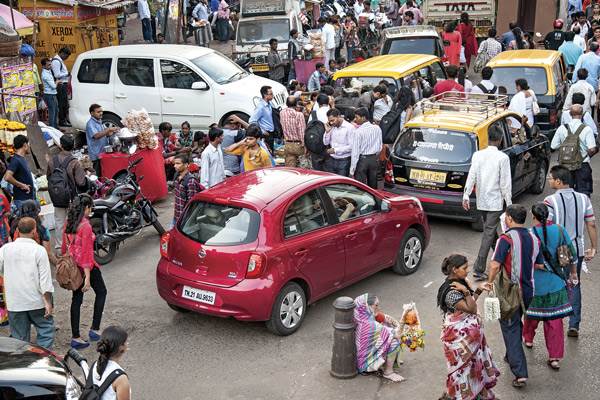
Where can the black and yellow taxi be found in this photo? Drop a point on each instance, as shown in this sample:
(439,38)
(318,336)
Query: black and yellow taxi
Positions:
(431,157)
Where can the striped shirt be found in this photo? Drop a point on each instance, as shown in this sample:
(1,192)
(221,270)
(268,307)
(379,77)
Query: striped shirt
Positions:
(293,124)
(571,210)
(367,140)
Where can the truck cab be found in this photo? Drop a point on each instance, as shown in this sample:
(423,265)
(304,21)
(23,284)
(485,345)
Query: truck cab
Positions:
(260,21)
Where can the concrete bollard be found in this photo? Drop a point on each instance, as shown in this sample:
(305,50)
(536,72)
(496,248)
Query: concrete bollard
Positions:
(343,359)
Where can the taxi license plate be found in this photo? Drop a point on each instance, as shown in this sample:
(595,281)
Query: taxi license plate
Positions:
(201,296)
(259,67)
(423,176)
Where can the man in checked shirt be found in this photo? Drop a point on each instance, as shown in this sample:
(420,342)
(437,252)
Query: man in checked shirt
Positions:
(366,146)
(293,125)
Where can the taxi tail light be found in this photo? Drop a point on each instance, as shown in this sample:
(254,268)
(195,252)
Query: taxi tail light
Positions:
(389,172)
(553,115)
(256,266)
(164,245)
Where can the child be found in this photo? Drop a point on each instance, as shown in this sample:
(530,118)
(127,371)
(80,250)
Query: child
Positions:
(186,185)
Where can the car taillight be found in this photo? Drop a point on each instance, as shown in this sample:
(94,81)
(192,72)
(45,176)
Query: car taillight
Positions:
(164,245)
(553,115)
(389,172)
(256,266)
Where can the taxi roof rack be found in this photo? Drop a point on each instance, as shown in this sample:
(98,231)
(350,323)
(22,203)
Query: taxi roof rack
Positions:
(473,103)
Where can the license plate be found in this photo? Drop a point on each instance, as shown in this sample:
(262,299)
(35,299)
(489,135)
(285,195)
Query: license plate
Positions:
(423,176)
(259,67)
(201,296)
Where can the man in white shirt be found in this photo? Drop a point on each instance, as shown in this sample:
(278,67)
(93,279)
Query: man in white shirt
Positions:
(358,7)
(338,136)
(579,40)
(322,107)
(582,177)
(486,86)
(144,15)
(579,98)
(490,173)
(61,74)
(212,168)
(328,40)
(583,87)
(366,146)
(28,286)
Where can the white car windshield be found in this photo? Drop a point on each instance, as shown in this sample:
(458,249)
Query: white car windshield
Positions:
(261,31)
(219,68)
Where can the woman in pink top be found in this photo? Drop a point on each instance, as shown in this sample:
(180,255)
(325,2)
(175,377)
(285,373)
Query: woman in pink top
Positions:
(223,21)
(78,240)
(467,33)
(452,43)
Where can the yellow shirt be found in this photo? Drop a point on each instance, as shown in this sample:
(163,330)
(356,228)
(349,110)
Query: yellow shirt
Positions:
(260,160)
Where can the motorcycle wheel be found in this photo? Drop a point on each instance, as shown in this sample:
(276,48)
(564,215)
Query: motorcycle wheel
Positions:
(102,254)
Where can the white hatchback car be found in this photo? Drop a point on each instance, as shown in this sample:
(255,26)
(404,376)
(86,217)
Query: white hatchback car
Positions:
(174,83)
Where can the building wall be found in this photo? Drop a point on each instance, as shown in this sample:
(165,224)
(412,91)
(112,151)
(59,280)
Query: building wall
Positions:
(546,12)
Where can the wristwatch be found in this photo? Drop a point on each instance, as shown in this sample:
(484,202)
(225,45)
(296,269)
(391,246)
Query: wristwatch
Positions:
(478,291)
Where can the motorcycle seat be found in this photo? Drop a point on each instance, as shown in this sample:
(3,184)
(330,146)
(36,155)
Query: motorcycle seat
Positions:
(109,202)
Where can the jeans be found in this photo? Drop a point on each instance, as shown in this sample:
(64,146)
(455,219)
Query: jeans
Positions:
(20,326)
(292,73)
(329,54)
(366,170)
(147,29)
(153,27)
(583,181)
(340,166)
(52,104)
(575,297)
(350,53)
(60,216)
(489,237)
(320,162)
(63,103)
(97,284)
(16,204)
(512,332)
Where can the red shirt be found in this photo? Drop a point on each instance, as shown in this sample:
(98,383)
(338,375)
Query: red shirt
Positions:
(81,245)
(447,85)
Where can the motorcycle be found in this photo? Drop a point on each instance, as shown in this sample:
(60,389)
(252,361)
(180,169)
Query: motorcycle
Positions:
(123,213)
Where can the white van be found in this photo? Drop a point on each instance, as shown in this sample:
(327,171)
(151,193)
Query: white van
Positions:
(174,83)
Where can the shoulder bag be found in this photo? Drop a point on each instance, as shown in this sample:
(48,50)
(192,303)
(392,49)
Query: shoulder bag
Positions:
(509,295)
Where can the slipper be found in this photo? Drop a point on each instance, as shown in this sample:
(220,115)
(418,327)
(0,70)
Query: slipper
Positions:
(394,377)
(519,383)
(554,364)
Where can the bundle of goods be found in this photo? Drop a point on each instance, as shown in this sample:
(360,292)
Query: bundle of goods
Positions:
(412,333)
(10,44)
(139,122)
(316,40)
(8,131)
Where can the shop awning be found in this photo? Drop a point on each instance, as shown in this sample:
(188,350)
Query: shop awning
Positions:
(106,4)
(22,24)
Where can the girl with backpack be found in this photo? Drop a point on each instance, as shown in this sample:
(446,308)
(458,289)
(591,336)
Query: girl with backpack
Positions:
(78,241)
(106,373)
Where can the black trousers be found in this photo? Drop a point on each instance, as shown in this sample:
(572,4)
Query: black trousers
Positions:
(366,170)
(582,179)
(63,103)
(97,167)
(320,162)
(97,284)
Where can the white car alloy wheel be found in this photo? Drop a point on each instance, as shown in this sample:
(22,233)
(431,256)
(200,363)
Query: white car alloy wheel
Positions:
(413,251)
(291,309)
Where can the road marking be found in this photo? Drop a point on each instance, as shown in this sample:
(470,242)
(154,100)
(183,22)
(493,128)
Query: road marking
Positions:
(428,284)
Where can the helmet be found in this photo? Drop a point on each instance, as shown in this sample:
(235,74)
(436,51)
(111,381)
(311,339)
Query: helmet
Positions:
(558,24)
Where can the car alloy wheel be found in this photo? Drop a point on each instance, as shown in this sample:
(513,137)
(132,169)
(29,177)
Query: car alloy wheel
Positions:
(291,309)
(413,251)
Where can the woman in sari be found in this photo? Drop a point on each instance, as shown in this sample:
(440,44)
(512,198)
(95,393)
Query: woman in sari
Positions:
(377,344)
(471,371)
(550,302)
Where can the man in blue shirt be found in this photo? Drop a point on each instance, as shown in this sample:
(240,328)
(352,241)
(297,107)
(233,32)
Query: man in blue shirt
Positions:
(97,136)
(508,37)
(591,62)
(263,115)
(570,51)
(18,173)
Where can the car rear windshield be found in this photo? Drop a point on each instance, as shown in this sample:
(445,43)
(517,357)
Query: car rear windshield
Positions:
(535,77)
(219,225)
(410,46)
(435,146)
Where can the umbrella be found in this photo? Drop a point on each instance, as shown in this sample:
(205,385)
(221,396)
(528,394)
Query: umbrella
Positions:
(23,25)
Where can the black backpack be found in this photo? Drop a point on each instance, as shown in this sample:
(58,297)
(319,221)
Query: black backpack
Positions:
(60,186)
(487,91)
(313,135)
(94,392)
(278,128)
(390,125)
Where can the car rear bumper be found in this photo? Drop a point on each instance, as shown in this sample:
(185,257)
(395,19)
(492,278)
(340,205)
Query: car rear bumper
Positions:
(249,300)
(440,204)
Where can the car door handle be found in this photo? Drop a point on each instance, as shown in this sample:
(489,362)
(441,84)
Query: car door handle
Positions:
(168,99)
(120,96)
(301,252)
(351,235)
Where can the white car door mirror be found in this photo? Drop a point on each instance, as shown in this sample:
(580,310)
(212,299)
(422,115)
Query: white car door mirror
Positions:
(199,86)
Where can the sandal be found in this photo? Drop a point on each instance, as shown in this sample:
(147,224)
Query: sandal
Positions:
(529,345)
(394,377)
(519,383)
(554,364)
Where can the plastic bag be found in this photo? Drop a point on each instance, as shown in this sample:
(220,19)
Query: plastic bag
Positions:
(491,307)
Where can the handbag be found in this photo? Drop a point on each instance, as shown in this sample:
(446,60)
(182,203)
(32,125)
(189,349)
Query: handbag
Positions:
(482,59)
(68,275)
(563,252)
(509,295)
(535,107)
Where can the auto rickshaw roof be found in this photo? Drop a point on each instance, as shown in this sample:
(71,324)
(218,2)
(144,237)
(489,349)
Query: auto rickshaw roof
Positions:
(392,65)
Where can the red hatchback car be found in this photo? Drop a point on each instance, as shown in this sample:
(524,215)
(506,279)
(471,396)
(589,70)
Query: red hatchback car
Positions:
(263,245)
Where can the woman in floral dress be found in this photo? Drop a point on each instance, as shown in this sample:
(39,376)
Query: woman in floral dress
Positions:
(471,371)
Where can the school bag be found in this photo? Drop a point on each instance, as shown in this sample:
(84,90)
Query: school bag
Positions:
(390,125)
(60,187)
(313,135)
(68,275)
(569,152)
(95,392)
(486,90)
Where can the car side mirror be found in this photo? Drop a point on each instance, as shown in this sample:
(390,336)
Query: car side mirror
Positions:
(199,86)
(386,206)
